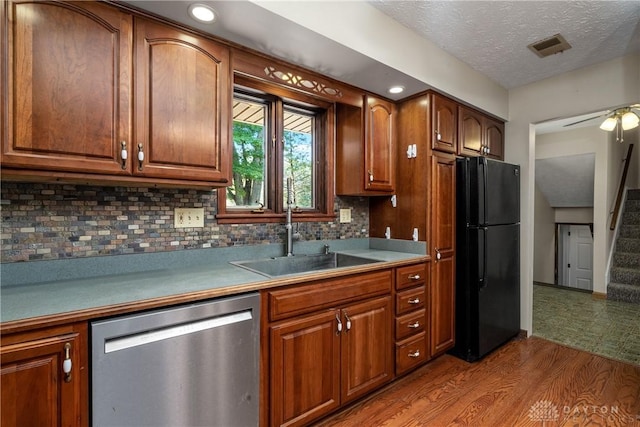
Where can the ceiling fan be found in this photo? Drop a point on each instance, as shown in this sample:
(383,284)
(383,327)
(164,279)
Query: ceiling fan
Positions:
(620,119)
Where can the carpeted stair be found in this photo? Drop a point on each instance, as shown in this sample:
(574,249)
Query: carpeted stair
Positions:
(625,272)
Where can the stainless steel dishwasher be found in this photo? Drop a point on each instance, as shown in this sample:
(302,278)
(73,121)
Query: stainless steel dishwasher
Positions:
(191,365)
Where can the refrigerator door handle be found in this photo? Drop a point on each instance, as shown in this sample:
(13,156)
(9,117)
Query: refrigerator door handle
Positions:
(484,192)
(483,261)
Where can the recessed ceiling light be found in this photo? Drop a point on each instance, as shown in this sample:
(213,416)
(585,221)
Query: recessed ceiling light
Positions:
(396,89)
(202,13)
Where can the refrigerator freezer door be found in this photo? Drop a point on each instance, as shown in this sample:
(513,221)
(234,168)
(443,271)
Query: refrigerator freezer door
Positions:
(497,186)
(499,286)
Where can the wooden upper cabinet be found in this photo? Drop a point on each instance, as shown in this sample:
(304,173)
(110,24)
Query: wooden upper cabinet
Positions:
(379,144)
(68,74)
(494,138)
(75,108)
(35,389)
(183,102)
(365,148)
(470,132)
(444,123)
(479,135)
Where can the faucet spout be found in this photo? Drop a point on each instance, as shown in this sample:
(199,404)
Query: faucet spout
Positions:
(289,225)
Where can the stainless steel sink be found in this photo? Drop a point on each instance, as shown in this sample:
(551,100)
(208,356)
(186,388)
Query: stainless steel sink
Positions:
(298,264)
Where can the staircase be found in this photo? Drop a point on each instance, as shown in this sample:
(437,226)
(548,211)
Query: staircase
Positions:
(625,272)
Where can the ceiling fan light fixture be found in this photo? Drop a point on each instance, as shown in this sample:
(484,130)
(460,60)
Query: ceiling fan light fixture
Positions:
(609,124)
(629,120)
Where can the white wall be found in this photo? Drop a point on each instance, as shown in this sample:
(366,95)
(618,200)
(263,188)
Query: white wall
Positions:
(544,243)
(589,89)
(358,25)
(573,215)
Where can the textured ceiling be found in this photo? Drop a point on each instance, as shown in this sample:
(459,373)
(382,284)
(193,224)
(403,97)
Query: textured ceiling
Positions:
(492,36)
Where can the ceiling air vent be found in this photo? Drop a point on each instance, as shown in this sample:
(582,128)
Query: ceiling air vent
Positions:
(549,46)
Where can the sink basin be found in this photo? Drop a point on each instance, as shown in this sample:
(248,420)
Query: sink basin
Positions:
(297,264)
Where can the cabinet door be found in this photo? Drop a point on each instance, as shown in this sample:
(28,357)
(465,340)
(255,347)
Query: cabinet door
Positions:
(35,391)
(367,347)
(305,369)
(444,124)
(443,268)
(494,138)
(470,132)
(182,105)
(379,145)
(68,74)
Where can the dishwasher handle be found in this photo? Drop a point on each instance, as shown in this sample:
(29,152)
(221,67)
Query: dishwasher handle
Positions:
(129,341)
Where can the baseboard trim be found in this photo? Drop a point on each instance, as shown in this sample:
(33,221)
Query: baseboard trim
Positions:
(599,295)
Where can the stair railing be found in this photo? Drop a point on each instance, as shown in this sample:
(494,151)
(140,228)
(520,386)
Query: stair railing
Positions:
(623,180)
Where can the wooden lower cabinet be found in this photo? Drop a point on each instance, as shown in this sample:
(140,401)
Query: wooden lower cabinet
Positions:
(319,361)
(322,361)
(411,317)
(35,389)
(443,306)
(366,344)
(305,368)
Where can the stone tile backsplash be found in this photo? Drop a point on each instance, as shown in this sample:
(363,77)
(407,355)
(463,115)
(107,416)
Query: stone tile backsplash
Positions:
(55,221)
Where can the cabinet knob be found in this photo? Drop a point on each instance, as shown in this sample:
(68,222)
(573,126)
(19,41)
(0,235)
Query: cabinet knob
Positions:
(415,354)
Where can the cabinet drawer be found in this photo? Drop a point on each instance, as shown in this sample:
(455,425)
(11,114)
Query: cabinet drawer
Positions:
(410,275)
(411,353)
(410,324)
(411,299)
(327,293)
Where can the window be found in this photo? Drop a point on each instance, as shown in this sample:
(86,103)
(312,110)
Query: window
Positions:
(281,147)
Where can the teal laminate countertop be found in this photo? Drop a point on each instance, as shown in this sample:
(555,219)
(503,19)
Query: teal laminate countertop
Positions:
(165,281)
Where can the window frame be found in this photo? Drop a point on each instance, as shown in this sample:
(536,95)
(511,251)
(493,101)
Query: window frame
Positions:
(324,155)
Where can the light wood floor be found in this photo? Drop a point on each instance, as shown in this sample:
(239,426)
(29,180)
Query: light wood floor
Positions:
(528,382)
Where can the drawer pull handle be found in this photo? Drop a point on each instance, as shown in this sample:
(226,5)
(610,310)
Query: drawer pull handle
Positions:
(415,354)
(414,277)
(414,301)
(414,325)
(339,325)
(346,316)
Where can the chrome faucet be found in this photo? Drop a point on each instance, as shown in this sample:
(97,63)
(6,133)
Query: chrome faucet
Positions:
(289,225)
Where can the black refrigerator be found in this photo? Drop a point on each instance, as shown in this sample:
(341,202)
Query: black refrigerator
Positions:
(487,255)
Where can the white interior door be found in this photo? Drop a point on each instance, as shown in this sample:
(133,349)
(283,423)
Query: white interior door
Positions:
(581,257)
(576,256)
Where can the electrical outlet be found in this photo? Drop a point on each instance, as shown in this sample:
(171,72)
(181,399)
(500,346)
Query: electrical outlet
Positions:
(188,217)
(345,215)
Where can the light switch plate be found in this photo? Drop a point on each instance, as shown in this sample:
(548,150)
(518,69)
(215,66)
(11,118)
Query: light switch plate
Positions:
(188,217)
(345,215)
